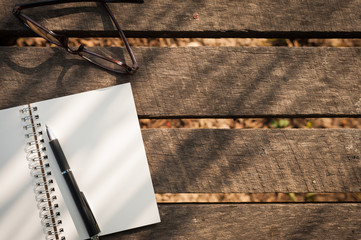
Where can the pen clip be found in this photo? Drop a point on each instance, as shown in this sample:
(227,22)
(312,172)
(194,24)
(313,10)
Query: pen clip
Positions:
(89,212)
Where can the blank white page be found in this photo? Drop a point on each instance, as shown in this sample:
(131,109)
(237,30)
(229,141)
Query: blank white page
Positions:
(100,135)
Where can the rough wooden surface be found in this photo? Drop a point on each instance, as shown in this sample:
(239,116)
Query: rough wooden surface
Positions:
(206,18)
(251,221)
(223,160)
(198,82)
(220,82)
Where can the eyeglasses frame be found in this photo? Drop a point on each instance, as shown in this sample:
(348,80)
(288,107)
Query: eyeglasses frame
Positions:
(63,40)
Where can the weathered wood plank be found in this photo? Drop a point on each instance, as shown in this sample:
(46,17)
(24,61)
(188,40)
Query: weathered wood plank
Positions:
(251,221)
(206,18)
(227,161)
(198,82)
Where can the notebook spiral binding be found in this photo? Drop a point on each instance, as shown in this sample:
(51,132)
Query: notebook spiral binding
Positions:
(40,171)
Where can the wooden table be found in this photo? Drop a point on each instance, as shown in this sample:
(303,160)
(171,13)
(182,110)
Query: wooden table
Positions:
(220,82)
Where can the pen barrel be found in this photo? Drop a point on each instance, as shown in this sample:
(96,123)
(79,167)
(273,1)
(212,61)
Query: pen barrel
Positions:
(82,205)
(78,197)
(59,155)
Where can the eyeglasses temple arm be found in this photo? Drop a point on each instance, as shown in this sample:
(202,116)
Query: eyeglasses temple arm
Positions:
(135,64)
(51,2)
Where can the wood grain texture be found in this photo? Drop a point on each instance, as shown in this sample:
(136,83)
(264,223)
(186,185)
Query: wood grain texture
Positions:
(251,221)
(254,161)
(198,82)
(203,18)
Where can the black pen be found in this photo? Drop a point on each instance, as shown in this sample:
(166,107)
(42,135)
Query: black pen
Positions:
(78,196)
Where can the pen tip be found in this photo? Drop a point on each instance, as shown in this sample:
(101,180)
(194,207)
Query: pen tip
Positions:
(50,134)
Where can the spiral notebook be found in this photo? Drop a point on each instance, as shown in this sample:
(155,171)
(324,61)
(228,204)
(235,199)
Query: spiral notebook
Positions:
(100,135)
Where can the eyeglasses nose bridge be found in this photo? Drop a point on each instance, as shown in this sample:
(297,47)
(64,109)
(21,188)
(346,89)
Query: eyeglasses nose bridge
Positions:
(80,48)
(75,51)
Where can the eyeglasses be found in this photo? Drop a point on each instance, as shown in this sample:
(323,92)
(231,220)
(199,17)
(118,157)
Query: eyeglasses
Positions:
(62,41)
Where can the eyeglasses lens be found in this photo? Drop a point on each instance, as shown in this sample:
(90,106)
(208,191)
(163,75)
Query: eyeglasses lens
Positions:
(42,32)
(108,64)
